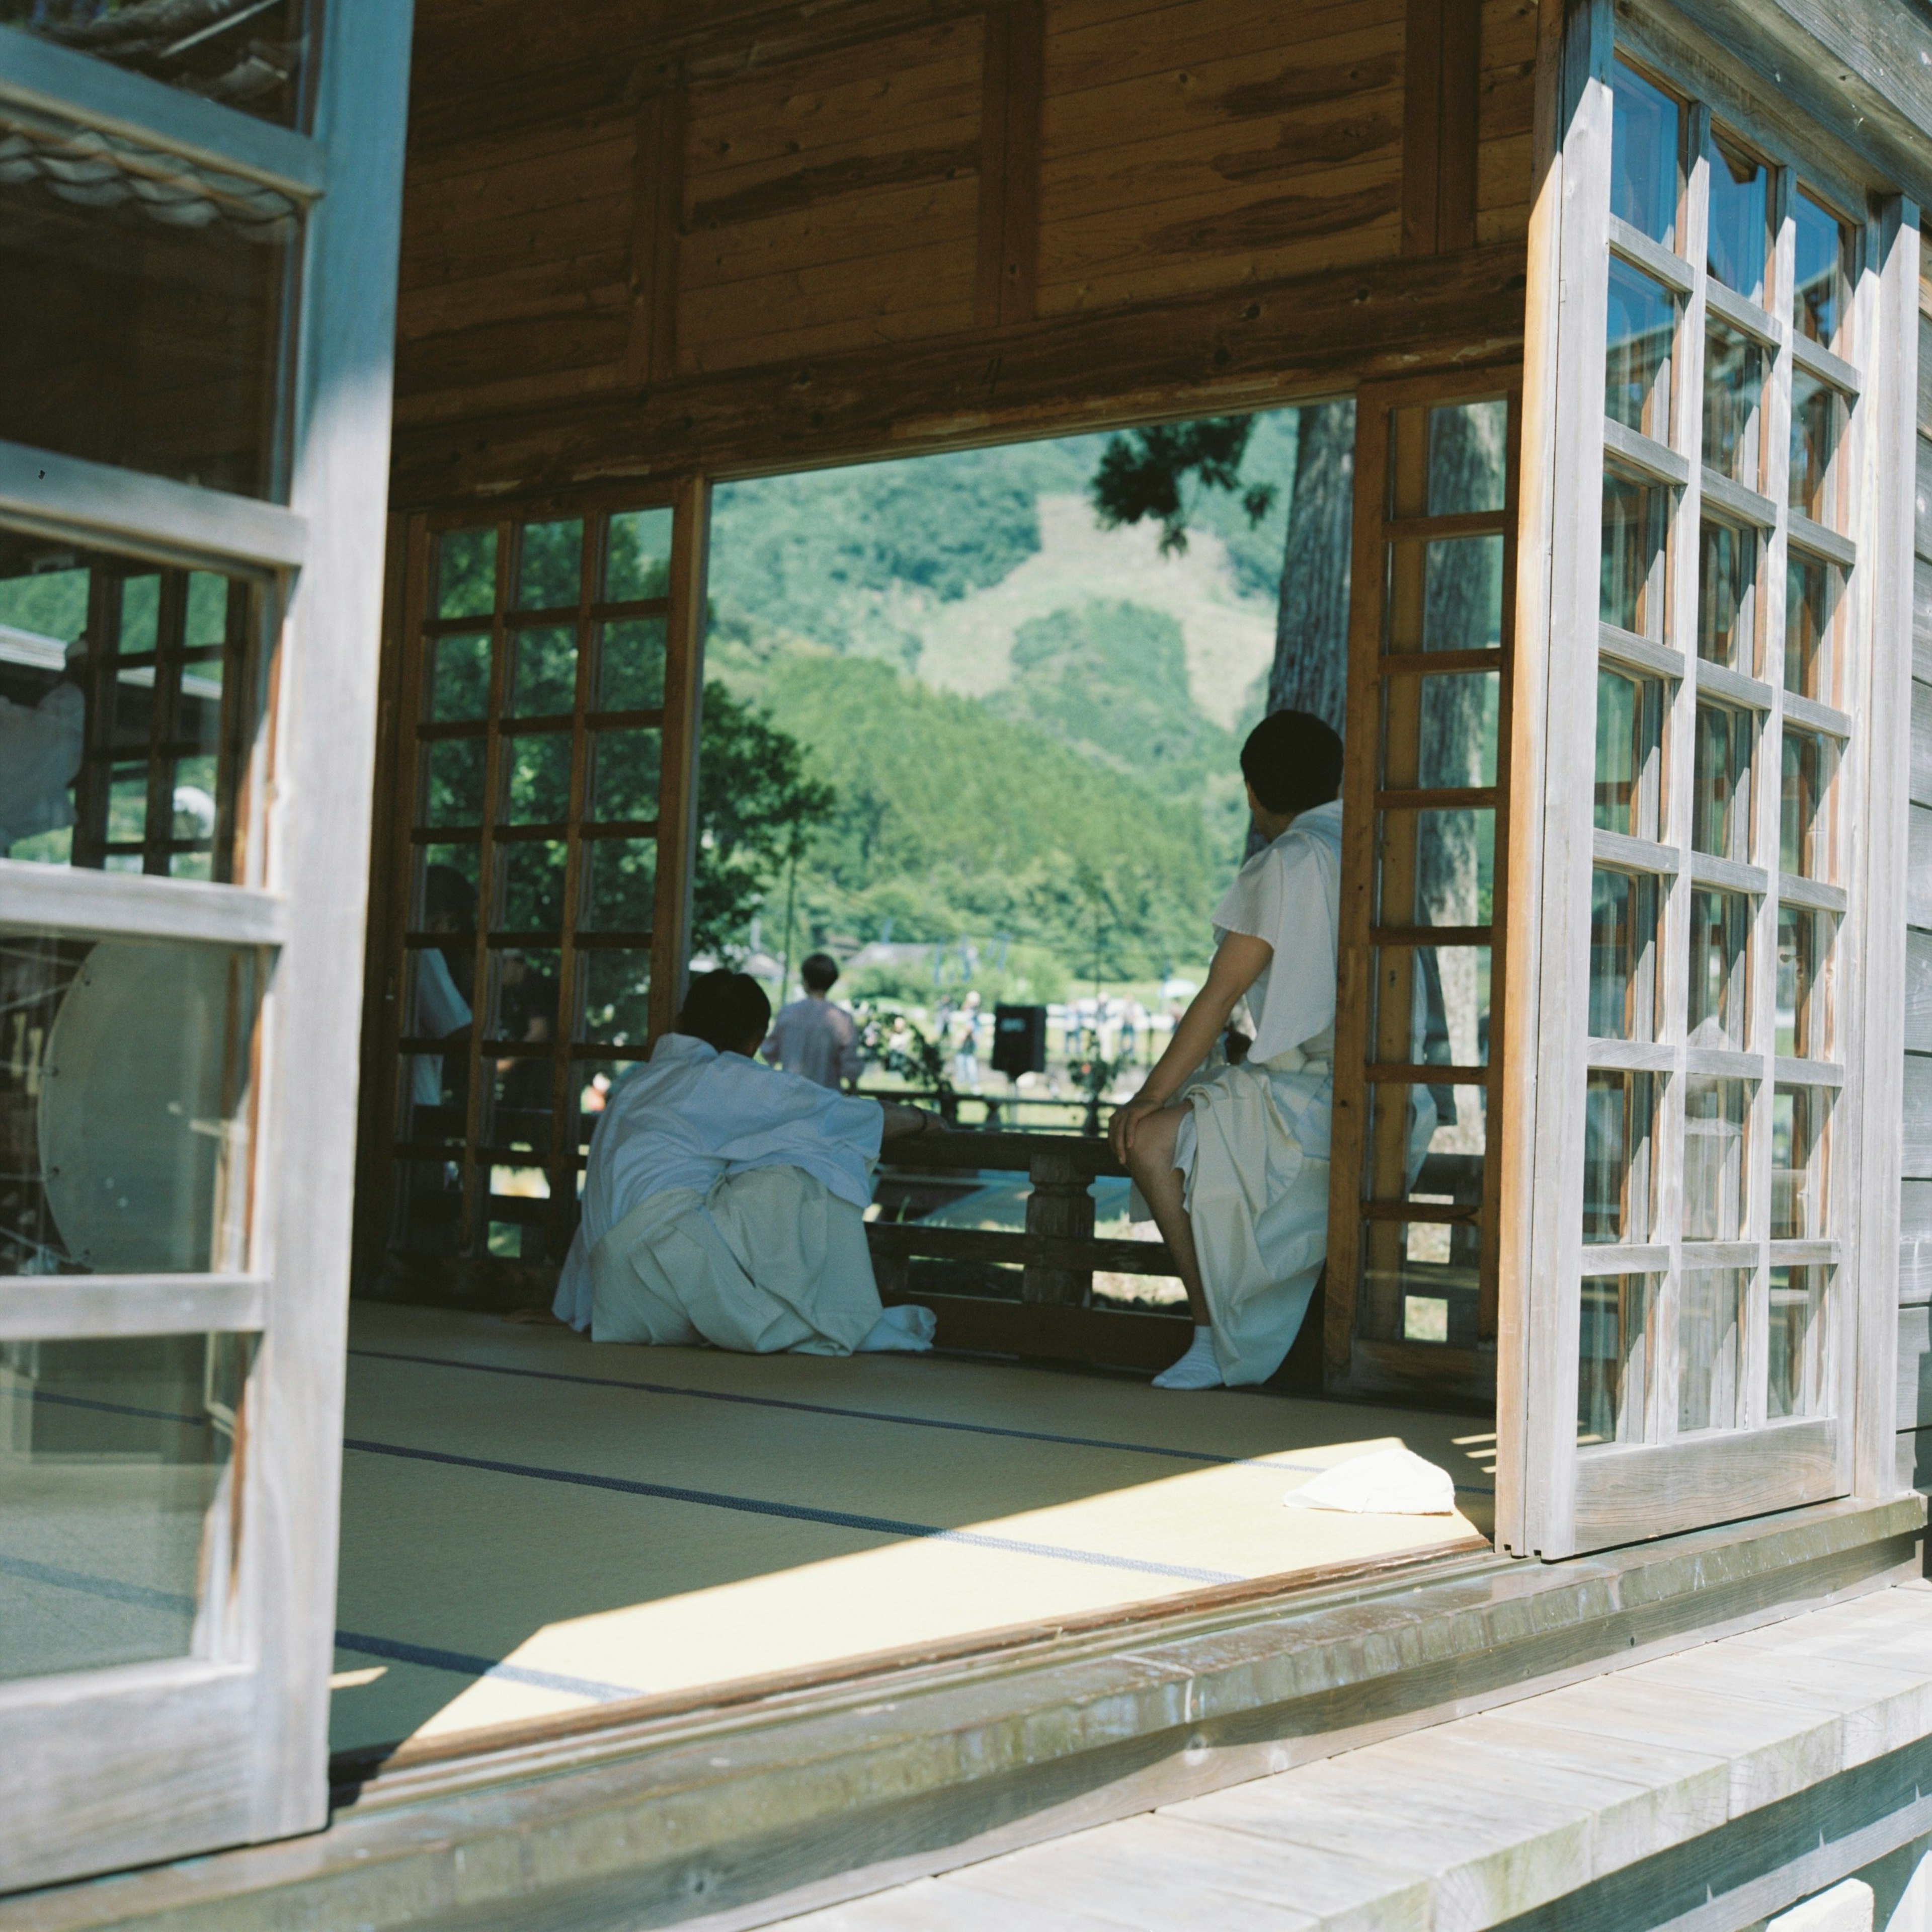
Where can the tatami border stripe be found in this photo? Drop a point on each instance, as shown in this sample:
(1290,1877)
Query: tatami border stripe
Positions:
(798,1513)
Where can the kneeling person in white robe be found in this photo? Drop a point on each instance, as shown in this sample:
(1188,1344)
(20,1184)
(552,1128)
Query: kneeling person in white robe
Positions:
(723,1200)
(1233,1163)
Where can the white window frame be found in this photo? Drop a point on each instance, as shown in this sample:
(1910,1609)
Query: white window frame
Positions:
(117,1767)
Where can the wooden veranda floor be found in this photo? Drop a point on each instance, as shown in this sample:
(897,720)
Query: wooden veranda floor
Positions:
(532,1525)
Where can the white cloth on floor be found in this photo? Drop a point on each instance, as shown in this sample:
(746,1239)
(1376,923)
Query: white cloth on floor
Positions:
(818,1040)
(1393,1481)
(690,1117)
(768,1259)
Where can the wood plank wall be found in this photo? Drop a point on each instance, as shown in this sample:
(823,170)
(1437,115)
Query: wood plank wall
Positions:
(615,214)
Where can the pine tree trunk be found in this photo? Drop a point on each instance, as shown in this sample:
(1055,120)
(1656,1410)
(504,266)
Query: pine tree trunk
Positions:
(1311,638)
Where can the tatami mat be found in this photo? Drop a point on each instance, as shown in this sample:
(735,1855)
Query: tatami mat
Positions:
(533,1524)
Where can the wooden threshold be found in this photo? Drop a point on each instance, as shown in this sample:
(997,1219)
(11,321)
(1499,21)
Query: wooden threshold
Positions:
(740,1813)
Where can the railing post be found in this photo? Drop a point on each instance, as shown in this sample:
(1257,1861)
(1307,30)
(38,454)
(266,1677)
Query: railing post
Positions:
(1059,1204)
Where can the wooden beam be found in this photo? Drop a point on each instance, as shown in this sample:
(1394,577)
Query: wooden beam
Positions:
(1442,94)
(1250,349)
(656,209)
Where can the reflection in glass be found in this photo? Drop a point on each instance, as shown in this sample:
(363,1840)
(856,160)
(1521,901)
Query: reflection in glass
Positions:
(1623,951)
(530,898)
(536,777)
(1738,229)
(1803,939)
(1726,583)
(1804,845)
(543,680)
(622,885)
(523,983)
(615,996)
(1813,588)
(456,683)
(1466,444)
(1630,711)
(437,981)
(1457,744)
(1797,1115)
(1710,1323)
(1642,323)
(549,565)
(1436,868)
(1630,592)
(1463,594)
(1720,795)
(1816,414)
(1616,1157)
(452,782)
(117,1508)
(1421,1279)
(1720,926)
(1798,1338)
(446,889)
(624,766)
(1733,389)
(125,1099)
(1714,1159)
(593,1084)
(630,665)
(636,555)
(466,573)
(1823,269)
(1613,1347)
(1644,156)
(146,316)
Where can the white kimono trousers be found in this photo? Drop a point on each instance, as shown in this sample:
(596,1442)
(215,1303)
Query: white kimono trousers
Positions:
(1254,1144)
(725,1203)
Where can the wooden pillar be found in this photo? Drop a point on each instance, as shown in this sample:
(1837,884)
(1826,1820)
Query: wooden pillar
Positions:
(1059,1204)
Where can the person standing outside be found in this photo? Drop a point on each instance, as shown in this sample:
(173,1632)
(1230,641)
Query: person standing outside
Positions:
(813,1037)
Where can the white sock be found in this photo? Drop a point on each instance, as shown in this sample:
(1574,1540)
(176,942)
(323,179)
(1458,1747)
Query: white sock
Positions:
(1199,1369)
(903,1329)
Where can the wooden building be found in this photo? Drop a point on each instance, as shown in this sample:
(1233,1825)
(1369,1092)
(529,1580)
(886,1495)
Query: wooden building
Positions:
(565,269)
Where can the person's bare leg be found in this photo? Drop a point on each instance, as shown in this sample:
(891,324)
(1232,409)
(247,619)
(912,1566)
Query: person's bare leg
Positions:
(1150,1162)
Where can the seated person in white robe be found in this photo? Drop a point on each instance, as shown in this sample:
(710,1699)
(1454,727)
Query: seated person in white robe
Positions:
(724,1200)
(1233,1162)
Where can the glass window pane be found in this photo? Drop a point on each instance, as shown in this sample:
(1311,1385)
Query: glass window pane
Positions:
(434,1088)
(1630,716)
(1727,596)
(593,1085)
(1452,745)
(1817,415)
(521,1118)
(1823,267)
(630,665)
(1813,589)
(621,888)
(636,555)
(543,675)
(1641,330)
(549,565)
(1436,867)
(536,778)
(1623,956)
(1613,1350)
(1799,1337)
(529,892)
(1421,1281)
(1734,367)
(1804,831)
(1467,443)
(1631,594)
(466,573)
(117,1510)
(624,768)
(1719,929)
(1714,1113)
(1720,799)
(523,983)
(452,782)
(456,680)
(1798,1197)
(1710,1327)
(1644,149)
(125,1099)
(1446,594)
(615,993)
(1432,1008)
(1804,944)
(146,329)
(261,71)
(1616,1157)
(1738,231)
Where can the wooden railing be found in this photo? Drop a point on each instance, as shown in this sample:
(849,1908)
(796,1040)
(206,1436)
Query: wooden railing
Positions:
(1057,1254)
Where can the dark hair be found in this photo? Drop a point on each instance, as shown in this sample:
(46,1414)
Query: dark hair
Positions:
(447,895)
(820,971)
(725,1009)
(1293,760)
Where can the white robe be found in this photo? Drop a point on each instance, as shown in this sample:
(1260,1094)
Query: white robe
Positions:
(1254,1144)
(724,1202)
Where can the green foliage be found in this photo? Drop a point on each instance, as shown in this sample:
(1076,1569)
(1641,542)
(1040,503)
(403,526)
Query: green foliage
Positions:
(757,807)
(1145,472)
(51,604)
